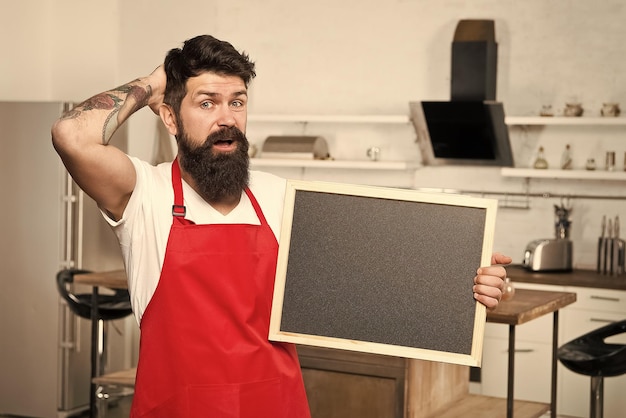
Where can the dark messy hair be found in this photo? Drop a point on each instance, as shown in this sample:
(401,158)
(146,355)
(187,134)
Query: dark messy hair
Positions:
(203,53)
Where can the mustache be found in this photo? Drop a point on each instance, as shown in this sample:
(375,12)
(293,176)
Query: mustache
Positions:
(232,134)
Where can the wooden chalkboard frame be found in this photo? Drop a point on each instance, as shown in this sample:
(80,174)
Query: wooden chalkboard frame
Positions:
(322,294)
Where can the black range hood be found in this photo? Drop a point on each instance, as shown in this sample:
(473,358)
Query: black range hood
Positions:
(462,133)
(469,129)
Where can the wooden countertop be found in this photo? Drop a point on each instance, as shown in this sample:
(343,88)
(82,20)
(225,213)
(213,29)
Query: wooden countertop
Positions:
(124,378)
(527,305)
(112,279)
(577,278)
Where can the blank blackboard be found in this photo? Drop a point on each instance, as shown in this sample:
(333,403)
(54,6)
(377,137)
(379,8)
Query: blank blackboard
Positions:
(381,270)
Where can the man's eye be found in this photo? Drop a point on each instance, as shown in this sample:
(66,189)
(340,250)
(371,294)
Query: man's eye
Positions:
(205,105)
(238,104)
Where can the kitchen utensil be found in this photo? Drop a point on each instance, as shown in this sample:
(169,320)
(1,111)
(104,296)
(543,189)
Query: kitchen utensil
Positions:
(621,247)
(373,153)
(610,109)
(609,246)
(618,249)
(573,109)
(609,164)
(601,246)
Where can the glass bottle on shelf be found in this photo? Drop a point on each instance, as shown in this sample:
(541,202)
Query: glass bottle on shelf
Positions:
(540,161)
(566,158)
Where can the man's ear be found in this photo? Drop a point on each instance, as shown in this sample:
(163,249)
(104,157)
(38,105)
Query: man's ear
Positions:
(169,119)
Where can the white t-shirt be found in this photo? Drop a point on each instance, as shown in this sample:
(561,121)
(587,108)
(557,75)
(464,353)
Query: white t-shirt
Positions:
(144,228)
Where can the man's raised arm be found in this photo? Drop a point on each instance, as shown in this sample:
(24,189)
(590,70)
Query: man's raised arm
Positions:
(81,137)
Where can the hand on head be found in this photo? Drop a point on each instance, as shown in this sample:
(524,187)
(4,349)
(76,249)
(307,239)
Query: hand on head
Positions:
(157,80)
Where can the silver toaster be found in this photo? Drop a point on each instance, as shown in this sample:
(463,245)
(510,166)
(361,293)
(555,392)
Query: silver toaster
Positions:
(548,255)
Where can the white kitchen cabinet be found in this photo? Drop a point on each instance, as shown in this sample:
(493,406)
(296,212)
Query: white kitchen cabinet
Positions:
(600,300)
(532,368)
(593,308)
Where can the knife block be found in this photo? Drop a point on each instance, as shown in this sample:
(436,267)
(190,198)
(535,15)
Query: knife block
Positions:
(611,256)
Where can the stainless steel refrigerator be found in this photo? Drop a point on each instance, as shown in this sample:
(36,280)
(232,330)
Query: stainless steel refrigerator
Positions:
(47,224)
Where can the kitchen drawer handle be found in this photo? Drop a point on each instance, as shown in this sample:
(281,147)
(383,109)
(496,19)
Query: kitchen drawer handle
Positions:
(521,350)
(605,298)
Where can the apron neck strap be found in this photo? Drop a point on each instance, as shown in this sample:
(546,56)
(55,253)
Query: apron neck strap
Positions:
(256,206)
(178,208)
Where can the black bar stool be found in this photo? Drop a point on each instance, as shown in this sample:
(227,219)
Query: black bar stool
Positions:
(590,355)
(109,307)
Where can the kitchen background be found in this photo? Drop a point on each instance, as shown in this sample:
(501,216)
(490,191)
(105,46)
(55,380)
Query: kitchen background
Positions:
(357,58)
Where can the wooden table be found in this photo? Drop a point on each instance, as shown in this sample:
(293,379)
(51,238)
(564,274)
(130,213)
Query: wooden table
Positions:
(113,280)
(525,306)
(124,378)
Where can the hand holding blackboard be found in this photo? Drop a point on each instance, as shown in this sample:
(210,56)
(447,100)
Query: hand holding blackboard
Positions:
(360,268)
(490,279)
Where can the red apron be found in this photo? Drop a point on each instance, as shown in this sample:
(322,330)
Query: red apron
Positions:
(204,348)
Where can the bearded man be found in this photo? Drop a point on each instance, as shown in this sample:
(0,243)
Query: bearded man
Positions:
(199,237)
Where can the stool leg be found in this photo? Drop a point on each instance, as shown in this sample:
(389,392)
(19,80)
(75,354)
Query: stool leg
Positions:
(102,396)
(103,328)
(103,404)
(597,397)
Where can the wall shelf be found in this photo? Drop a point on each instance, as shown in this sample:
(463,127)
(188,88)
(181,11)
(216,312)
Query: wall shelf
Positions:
(375,119)
(564,174)
(399,120)
(563,120)
(334,164)
(405,119)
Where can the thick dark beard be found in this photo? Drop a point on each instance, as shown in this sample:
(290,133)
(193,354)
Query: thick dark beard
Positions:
(218,176)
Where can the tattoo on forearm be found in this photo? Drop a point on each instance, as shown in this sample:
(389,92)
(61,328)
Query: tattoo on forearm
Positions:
(109,127)
(102,101)
(140,95)
(123,101)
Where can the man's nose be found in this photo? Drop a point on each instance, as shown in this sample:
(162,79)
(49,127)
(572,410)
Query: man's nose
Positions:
(225,117)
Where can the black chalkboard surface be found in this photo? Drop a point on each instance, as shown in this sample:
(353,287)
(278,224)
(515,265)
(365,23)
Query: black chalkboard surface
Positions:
(380,270)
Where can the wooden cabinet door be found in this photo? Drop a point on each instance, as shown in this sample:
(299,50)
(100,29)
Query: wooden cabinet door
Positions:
(344,384)
(345,395)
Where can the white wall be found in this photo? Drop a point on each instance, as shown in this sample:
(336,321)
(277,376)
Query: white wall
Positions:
(353,57)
